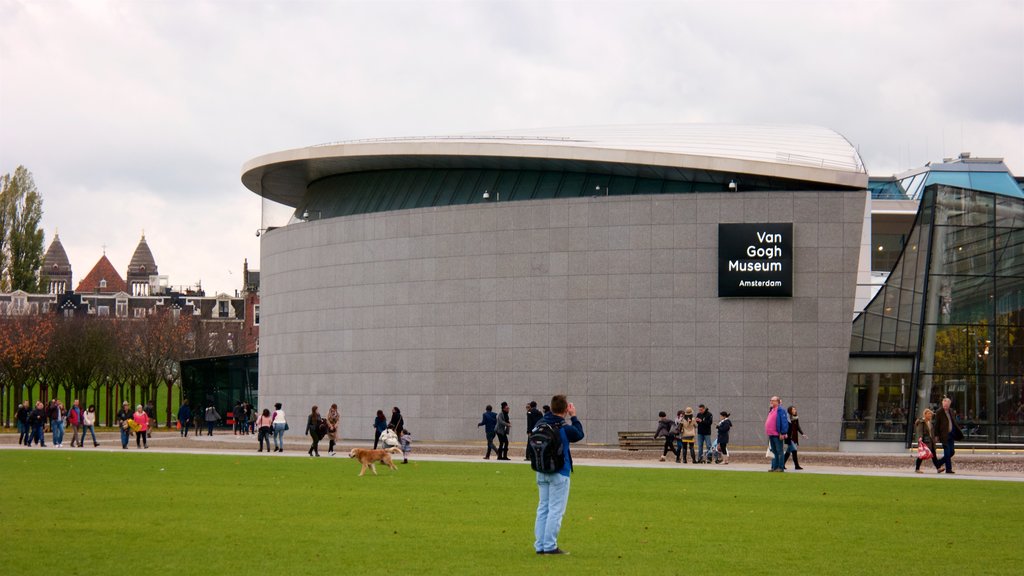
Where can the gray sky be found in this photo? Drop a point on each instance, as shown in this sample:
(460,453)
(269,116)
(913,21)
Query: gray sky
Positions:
(138,115)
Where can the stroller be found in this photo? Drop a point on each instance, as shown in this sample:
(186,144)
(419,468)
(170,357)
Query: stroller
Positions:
(713,453)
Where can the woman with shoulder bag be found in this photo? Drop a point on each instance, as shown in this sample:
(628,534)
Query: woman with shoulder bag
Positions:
(264,429)
(925,432)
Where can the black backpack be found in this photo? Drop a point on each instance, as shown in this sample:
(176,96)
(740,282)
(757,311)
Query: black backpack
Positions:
(545,449)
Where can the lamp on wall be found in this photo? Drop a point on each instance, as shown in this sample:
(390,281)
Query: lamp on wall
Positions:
(733,186)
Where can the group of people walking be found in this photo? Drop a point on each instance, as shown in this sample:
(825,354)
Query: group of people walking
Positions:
(392,434)
(499,425)
(33,423)
(688,429)
(273,424)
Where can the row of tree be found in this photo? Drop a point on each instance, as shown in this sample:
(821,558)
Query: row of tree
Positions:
(21,239)
(98,360)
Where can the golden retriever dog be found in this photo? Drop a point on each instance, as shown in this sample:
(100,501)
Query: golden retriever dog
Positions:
(367,458)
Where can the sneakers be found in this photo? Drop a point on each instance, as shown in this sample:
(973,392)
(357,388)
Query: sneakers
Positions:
(555,552)
(662,459)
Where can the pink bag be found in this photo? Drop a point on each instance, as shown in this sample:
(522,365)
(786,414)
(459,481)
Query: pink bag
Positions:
(923,451)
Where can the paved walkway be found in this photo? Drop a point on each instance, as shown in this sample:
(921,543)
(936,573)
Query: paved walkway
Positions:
(224,443)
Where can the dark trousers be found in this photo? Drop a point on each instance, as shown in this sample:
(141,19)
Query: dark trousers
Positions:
(330,445)
(947,453)
(37,436)
(796,458)
(140,438)
(502,446)
(683,446)
(376,438)
(209,428)
(490,445)
(264,436)
(670,446)
(314,448)
(24,433)
(184,429)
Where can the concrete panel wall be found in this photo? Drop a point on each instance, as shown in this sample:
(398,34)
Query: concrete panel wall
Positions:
(612,300)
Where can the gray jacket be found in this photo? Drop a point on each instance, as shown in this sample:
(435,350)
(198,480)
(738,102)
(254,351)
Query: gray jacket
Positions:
(503,426)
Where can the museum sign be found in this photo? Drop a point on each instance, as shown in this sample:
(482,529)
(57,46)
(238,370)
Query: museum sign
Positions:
(755,260)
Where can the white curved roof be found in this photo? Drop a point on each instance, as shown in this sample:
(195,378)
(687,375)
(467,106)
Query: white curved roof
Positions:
(806,153)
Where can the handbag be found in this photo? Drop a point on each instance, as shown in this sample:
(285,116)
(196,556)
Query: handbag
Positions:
(923,451)
(768,453)
(957,434)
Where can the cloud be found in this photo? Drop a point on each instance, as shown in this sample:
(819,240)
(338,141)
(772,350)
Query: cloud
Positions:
(139,115)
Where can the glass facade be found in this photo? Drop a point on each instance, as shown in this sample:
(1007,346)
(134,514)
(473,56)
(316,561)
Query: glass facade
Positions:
(220,382)
(384,190)
(954,302)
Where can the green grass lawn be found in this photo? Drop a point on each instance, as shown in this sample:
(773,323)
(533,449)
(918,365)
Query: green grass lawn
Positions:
(70,512)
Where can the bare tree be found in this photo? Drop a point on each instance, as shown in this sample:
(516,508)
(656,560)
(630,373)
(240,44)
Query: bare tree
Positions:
(79,355)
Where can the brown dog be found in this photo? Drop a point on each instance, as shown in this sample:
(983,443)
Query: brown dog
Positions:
(367,458)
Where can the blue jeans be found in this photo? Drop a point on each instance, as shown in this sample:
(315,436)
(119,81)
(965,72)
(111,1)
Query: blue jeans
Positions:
(279,436)
(703,445)
(23,433)
(37,436)
(778,452)
(91,430)
(554,496)
(57,428)
(125,433)
(947,453)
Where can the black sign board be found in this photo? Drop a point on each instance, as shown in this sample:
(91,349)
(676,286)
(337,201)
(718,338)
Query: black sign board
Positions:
(755,260)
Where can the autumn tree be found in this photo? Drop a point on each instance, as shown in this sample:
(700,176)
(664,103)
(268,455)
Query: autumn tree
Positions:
(24,341)
(22,242)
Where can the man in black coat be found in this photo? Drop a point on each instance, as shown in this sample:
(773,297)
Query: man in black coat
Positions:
(532,417)
(948,432)
(703,433)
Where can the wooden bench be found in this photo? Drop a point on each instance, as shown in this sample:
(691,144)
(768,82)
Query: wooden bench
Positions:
(640,441)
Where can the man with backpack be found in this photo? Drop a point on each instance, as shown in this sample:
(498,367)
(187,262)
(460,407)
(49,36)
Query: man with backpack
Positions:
(550,458)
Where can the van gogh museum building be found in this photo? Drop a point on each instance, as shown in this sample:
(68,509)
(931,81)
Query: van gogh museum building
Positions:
(640,269)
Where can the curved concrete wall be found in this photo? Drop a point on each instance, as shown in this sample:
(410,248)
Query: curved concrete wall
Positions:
(612,300)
